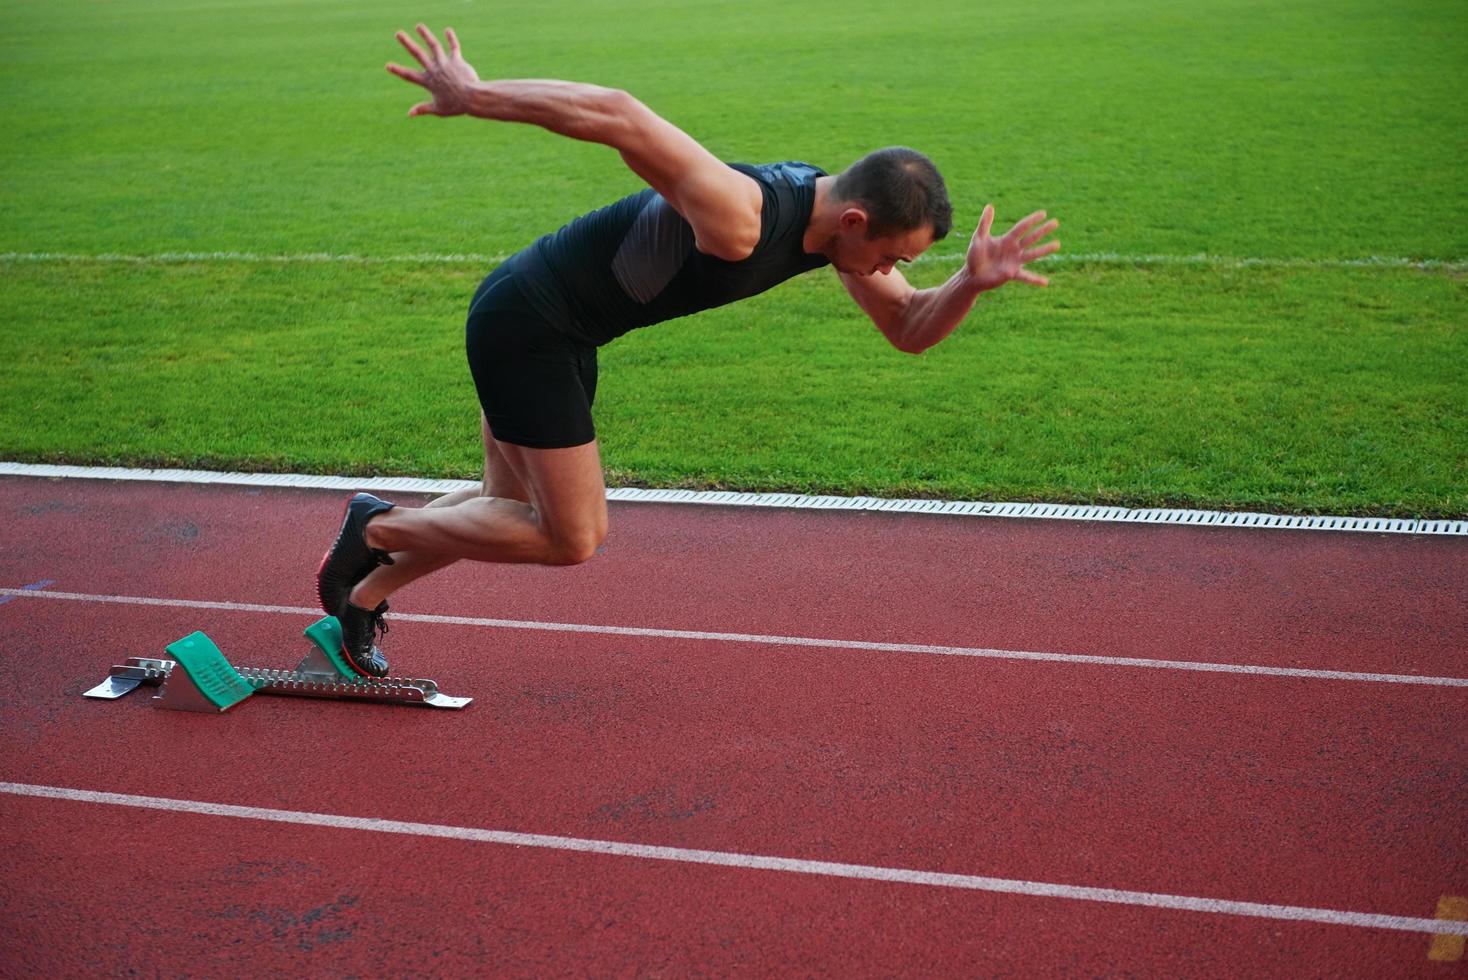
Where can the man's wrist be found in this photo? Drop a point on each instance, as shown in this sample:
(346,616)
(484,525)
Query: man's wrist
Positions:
(968,281)
(479,100)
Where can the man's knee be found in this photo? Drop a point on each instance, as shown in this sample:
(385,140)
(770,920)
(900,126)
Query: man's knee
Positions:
(578,544)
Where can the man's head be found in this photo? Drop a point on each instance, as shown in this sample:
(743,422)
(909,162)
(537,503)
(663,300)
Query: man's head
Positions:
(890,205)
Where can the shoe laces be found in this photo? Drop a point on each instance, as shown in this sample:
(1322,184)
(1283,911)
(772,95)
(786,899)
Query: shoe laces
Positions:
(379,623)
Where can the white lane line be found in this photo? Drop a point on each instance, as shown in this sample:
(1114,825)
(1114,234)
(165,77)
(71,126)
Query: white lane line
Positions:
(774,640)
(761,862)
(1200,259)
(723,498)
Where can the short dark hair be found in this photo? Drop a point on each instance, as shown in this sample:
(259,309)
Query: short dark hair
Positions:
(901,191)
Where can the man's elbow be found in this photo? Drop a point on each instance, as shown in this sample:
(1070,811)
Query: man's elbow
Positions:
(617,111)
(900,329)
(621,103)
(904,340)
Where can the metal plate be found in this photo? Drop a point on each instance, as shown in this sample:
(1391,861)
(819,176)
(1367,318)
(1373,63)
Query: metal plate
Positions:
(113,687)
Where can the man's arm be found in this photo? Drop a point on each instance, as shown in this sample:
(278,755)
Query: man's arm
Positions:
(722,204)
(913,320)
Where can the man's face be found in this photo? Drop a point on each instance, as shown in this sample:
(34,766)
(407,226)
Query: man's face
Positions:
(854,254)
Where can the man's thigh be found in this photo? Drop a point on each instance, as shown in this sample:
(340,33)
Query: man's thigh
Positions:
(500,478)
(566,488)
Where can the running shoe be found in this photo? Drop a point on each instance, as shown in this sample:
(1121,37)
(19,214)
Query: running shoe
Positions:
(358,627)
(350,560)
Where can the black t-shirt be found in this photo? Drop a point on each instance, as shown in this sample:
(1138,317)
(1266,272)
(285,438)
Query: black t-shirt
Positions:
(634,263)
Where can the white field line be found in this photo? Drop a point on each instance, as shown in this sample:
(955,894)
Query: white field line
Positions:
(759,862)
(726,498)
(468,258)
(827,643)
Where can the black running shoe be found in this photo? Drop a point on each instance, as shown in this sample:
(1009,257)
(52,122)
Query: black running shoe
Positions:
(358,625)
(349,560)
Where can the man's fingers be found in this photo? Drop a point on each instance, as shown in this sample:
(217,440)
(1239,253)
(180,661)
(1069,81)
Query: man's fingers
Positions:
(413,49)
(416,77)
(422,109)
(1026,223)
(1039,253)
(430,40)
(453,38)
(1039,233)
(986,221)
(1025,275)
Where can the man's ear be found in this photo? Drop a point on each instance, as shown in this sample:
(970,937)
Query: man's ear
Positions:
(853,219)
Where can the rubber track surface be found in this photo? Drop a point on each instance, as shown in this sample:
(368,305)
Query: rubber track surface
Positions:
(1327,794)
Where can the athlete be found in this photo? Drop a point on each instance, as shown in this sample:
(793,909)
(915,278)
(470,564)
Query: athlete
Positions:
(702,234)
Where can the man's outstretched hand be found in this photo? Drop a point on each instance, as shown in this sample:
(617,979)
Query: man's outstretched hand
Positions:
(992,262)
(445,74)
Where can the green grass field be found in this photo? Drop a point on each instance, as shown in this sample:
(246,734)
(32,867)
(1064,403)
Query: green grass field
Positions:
(1300,139)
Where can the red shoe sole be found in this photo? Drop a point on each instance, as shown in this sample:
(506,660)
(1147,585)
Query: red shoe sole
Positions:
(358,670)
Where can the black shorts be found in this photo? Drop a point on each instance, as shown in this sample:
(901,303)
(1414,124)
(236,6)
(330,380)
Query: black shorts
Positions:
(535,383)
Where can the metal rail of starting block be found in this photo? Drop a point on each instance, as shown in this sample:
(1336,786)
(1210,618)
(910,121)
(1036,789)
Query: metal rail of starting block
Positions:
(199,678)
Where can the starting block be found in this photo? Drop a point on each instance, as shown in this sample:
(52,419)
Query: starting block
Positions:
(199,678)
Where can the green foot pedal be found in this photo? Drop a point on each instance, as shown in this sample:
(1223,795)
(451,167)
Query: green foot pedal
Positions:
(202,679)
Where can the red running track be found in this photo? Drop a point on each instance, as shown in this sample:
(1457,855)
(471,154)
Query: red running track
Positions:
(1304,792)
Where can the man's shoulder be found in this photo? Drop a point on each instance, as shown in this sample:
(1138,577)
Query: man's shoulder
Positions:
(794,172)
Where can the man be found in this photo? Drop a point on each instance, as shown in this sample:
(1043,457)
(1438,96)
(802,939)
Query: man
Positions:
(703,234)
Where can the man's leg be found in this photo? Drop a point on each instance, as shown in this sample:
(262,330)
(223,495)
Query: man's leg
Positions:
(408,566)
(564,521)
